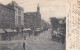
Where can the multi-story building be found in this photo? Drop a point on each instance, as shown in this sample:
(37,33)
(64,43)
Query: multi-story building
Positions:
(33,19)
(6,16)
(19,13)
(12,15)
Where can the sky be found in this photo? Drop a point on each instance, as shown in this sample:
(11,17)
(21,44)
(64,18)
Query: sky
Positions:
(48,8)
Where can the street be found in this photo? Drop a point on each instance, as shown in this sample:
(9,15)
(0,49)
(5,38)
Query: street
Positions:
(40,42)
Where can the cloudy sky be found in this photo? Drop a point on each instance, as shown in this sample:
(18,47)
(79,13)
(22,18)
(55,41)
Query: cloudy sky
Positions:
(48,8)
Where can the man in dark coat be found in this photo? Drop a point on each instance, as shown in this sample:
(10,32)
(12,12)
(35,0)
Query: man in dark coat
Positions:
(23,45)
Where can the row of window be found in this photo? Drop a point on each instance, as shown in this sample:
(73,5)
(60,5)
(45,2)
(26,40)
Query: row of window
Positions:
(6,13)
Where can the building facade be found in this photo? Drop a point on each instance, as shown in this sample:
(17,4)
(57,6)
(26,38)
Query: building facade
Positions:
(7,16)
(12,15)
(19,13)
(33,19)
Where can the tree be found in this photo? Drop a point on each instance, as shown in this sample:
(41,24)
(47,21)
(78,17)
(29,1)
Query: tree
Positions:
(54,22)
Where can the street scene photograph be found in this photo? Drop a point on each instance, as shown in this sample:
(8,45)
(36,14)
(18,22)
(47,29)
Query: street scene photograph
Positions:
(32,24)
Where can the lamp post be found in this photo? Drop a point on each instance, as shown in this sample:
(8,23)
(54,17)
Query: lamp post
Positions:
(23,36)
(22,29)
(33,29)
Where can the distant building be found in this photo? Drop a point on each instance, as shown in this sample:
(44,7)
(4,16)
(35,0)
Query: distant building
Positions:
(45,25)
(6,16)
(33,19)
(19,13)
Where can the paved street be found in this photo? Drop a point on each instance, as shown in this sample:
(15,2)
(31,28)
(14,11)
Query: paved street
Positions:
(43,42)
(40,42)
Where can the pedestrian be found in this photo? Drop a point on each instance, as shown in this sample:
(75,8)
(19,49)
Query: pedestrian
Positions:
(24,37)
(23,45)
(10,36)
(29,34)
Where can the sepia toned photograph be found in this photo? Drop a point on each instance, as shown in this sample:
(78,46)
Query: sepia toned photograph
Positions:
(32,24)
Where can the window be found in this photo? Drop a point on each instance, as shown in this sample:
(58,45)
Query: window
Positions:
(0,10)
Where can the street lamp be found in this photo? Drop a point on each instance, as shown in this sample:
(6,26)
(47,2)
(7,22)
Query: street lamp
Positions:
(22,29)
(33,29)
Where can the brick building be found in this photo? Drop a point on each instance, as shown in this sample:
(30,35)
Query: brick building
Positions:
(19,13)
(6,16)
(33,19)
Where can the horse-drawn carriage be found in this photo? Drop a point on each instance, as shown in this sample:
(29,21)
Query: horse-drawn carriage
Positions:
(58,36)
